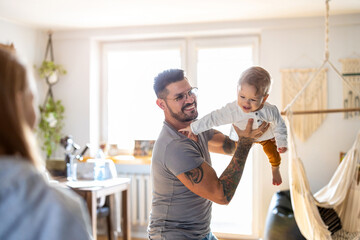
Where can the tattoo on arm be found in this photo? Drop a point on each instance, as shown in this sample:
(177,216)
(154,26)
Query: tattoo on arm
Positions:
(195,175)
(231,176)
(228,145)
(216,132)
(224,143)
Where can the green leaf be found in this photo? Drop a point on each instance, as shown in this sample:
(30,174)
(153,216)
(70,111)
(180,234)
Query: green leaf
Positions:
(50,136)
(49,67)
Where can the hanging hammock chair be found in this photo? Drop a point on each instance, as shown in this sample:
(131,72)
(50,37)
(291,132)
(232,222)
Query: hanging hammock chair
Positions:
(341,194)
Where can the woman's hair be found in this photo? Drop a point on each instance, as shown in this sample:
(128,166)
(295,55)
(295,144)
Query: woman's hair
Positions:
(16,136)
(257,77)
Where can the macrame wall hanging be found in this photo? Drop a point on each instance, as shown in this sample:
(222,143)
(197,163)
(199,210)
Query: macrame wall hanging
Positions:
(314,97)
(351,96)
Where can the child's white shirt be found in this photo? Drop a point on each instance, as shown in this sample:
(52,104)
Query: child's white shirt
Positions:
(232,113)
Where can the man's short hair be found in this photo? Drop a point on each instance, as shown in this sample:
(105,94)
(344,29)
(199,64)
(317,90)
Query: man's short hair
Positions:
(163,79)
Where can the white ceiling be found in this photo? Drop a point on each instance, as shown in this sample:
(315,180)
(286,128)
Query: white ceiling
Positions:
(75,14)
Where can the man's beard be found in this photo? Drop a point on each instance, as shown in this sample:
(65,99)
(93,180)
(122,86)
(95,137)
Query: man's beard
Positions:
(183,117)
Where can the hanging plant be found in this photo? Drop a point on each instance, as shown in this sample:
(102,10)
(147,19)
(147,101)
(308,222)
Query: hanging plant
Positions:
(51,125)
(52,111)
(51,71)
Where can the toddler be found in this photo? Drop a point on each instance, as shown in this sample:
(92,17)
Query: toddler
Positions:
(253,90)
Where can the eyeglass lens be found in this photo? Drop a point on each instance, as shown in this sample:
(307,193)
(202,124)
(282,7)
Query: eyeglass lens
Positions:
(191,93)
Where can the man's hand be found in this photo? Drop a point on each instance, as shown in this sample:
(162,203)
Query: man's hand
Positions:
(231,176)
(250,133)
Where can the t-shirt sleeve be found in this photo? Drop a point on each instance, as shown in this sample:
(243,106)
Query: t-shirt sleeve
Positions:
(184,155)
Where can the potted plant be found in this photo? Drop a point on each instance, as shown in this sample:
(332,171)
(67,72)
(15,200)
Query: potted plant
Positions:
(52,111)
(51,71)
(51,125)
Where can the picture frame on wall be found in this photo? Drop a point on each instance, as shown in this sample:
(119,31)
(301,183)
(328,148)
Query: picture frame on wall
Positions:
(143,148)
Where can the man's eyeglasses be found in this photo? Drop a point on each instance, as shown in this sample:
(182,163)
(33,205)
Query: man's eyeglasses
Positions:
(191,93)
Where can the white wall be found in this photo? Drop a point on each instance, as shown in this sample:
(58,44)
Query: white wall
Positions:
(73,88)
(291,43)
(29,43)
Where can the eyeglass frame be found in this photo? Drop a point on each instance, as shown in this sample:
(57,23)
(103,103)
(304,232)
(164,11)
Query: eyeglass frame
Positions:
(185,95)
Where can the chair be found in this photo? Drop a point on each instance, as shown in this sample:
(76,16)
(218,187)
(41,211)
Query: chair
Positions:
(104,212)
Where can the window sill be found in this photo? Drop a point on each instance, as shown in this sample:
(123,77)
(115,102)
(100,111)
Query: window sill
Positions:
(130,159)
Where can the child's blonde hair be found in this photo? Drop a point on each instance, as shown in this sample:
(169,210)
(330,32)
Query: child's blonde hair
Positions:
(257,77)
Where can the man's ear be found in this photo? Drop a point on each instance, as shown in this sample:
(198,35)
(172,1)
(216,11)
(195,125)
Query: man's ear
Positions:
(161,103)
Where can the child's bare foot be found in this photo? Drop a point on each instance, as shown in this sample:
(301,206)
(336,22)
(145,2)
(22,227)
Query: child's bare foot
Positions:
(276,176)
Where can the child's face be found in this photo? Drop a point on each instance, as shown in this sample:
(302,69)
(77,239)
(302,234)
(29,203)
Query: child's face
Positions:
(248,100)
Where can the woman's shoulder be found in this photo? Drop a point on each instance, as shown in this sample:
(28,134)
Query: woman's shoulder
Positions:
(38,202)
(15,169)
(19,179)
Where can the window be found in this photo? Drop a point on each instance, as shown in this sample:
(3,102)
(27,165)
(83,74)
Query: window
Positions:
(129,99)
(214,66)
(220,63)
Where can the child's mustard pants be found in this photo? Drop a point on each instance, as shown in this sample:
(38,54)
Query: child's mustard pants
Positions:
(270,149)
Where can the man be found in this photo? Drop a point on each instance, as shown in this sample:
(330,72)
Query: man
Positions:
(184,183)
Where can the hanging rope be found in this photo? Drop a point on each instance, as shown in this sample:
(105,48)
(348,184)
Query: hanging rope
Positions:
(327,31)
(326,60)
(49,50)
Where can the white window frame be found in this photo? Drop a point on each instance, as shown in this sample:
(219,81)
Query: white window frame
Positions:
(123,46)
(234,41)
(188,48)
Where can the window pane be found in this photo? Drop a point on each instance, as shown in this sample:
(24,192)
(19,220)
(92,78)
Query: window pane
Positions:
(132,110)
(218,72)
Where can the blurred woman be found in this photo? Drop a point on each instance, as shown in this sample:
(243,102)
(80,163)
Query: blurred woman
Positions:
(30,208)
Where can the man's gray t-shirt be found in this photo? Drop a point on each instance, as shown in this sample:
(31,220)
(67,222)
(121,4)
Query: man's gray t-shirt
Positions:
(178,213)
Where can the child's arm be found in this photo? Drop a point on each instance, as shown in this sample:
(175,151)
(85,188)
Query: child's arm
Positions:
(222,116)
(279,129)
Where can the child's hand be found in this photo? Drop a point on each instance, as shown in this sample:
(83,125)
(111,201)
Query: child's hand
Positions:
(186,131)
(282,149)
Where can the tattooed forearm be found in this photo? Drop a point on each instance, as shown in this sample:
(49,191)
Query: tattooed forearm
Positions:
(229,146)
(230,178)
(195,175)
